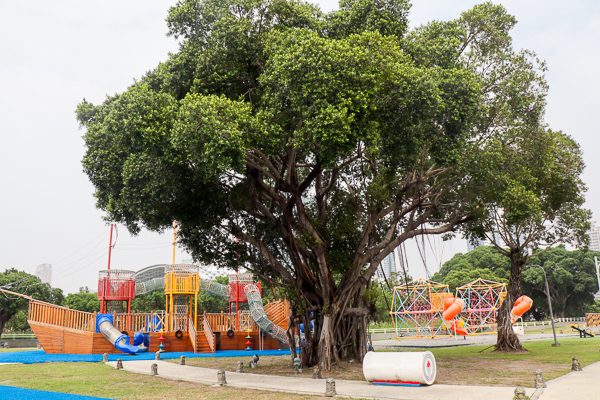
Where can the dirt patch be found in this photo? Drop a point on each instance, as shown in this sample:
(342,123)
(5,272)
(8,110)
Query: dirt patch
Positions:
(493,372)
(278,365)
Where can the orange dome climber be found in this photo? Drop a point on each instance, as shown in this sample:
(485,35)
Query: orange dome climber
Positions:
(522,305)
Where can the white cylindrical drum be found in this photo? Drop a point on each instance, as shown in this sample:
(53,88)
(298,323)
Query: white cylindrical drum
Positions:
(403,367)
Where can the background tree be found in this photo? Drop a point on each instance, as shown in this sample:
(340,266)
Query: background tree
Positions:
(211,303)
(485,258)
(571,279)
(27,284)
(149,302)
(528,215)
(83,301)
(321,142)
(383,290)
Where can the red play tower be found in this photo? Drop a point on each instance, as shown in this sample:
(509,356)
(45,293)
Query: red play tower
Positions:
(115,288)
(237,284)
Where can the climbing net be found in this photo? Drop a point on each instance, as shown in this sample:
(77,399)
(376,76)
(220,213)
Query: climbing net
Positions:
(482,300)
(417,308)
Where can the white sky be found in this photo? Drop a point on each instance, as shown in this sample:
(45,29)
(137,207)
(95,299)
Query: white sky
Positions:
(53,54)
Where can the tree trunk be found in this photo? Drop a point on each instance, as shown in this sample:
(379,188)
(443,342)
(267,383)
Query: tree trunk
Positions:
(4,317)
(507,339)
(334,337)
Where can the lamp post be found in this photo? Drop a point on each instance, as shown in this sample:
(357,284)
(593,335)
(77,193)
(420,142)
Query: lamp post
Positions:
(555,344)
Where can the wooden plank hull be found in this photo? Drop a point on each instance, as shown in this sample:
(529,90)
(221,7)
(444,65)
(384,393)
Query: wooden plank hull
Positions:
(56,339)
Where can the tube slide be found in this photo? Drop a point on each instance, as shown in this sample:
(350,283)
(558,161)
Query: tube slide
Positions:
(521,306)
(452,307)
(119,340)
(260,317)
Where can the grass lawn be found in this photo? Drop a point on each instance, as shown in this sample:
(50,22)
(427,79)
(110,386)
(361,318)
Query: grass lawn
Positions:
(98,379)
(9,350)
(466,366)
(456,365)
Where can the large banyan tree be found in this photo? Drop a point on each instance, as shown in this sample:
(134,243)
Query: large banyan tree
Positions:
(318,142)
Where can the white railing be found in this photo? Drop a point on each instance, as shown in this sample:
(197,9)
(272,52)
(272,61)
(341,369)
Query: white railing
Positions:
(528,323)
(542,323)
(15,336)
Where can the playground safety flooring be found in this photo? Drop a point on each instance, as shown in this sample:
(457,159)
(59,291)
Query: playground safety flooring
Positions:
(574,385)
(10,392)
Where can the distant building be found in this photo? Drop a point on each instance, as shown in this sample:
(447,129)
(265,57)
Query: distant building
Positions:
(44,272)
(472,245)
(594,234)
(387,266)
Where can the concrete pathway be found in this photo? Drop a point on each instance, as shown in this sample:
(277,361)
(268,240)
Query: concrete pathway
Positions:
(479,340)
(346,388)
(584,385)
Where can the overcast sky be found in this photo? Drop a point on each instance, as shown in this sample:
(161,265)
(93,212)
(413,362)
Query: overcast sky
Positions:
(53,54)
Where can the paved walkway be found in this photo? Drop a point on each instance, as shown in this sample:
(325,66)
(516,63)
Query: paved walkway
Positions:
(584,385)
(347,388)
(479,340)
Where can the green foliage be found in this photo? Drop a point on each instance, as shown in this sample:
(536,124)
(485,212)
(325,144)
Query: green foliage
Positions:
(26,284)
(211,303)
(18,323)
(592,308)
(324,141)
(83,301)
(383,295)
(483,257)
(149,302)
(571,279)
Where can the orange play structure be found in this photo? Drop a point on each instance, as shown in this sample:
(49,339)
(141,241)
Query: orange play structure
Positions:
(521,306)
(423,308)
(452,307)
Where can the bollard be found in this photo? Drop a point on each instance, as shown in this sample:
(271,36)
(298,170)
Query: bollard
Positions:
(240,367)
(154,369)
(561,332)
(316,372)
(119,364)
(538,377)
(519,394)
(182,360)
(104,357)
(157,356)
(576,366)
(297,365)
(221,378)
(330,387)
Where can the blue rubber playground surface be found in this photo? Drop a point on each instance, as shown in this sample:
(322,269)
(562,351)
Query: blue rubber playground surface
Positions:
(40,356)
(9,392)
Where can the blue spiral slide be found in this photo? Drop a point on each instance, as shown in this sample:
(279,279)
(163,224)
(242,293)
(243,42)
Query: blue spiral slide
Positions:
(104,325)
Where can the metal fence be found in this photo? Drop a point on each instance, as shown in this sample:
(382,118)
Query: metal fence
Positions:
(16,336)
(528,323)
